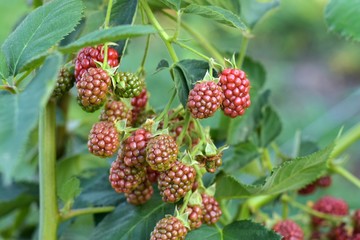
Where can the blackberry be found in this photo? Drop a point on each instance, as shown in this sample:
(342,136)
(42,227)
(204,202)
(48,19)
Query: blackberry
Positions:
(236,88)
(324,181)
(356,221)
(211,163)
(329,205)
(339,233)
(204,99)
(211,209)
(133,85)
(103,139)
(289,230)
(64,83)
(138,103)
(169,228)
(92,89)
(161,152)
(176,182)
(114,111)
(152,175)
(141,194)
(308,189)
(195,216)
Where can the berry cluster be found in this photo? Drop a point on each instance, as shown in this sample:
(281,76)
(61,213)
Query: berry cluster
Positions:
(232,94)
(322,182)
(289,230)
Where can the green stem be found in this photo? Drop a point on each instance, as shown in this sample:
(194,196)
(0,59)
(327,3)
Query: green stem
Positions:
(11,89)
(164,113)
(242,53)
(285,210)
(185,203)
(83,211)
(49,215)
(243,212)
(346,174)
(17,82)
(225,211)
(278,152)
(145,54)
(106,25)
(178,26)
(346,141)
(204,42)
(201,130)
(266,159)
(309,210)
(163,35)
(185,128)
(192,50)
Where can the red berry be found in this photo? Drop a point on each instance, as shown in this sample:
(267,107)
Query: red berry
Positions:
(211,209)
(204,99)
(236,88)
(114,111)
(356,221)
(139,104)
(141,194)
(92,89)
(329,205)
(103,139)
(86,56)
(195,216)
(152,175)
(308,189)
(211,163)
(355,236)
(161,152)
(124,178)
(338,233)
(169,228)
(324,181)
(289,230)
(134,147)
(176,182)
(64,83)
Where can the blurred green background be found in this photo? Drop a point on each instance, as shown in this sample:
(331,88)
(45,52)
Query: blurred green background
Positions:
(314,75)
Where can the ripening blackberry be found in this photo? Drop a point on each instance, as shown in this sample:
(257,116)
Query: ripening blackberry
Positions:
(211,209)
(289,230)
(329,205)
(64,83)
(161,152)
(103,139)
(141,194)
(115,111)
(169,228)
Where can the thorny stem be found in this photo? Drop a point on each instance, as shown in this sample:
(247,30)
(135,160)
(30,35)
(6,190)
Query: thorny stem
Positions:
(163,35)
(83,211)
(346,174)
(106,25)
(49,215)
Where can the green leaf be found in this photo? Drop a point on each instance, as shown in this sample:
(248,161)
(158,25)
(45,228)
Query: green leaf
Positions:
(296,173)
(108,35)
(69,190)
(307,147)
(132,222)
(343,17)
(123,12)
(19,113)
(4,69)
(253,10)
(40,30)
(248,230)
(270,126)
(186,73)
(227,187)
(173,4)
(205,232)
(217,14)
(256,74)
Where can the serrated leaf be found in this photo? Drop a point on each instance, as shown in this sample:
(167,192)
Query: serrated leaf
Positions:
(108,35)
(186,73)
(74,34)
(217,14)
(253,10)
(256,74)
(249,230)
(123,13)
(173,4)
(132,222)
(69,190)
(19,113)
(270,126)
(307,147)
(343,17)
(205,232)
(40,30)
(227,187)
(239,155)
(296,173)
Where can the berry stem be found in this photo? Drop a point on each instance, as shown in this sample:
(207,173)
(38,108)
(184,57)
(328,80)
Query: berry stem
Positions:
(346,174)
(346,141)
(145,55)
(243,48)
(185,128)
(49,214)
(106,25)
(286,198)
(163,35)
(164,114)
(205,43)
(192,50)
(8,88)
(178,26)
(266,159)
(285,210)
(185,203)
(83,211)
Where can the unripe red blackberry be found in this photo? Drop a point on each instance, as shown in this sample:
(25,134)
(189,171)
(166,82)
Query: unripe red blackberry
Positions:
(176,182)
(169,228)
(161,152)
(308,189)
(152,175)
(211,163)
(289,230)
(329,205)
(316,235)
(133,85)
(92,89)
(141,194)
(324,181)
(211,209)
(138,103)
(64,83)
(86,56)
(124,178)
(236,88)
(103,139)
(195,216)
(115,110)
(204,99)
(356,221)
(339,233)
(355,236)
(134,147)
